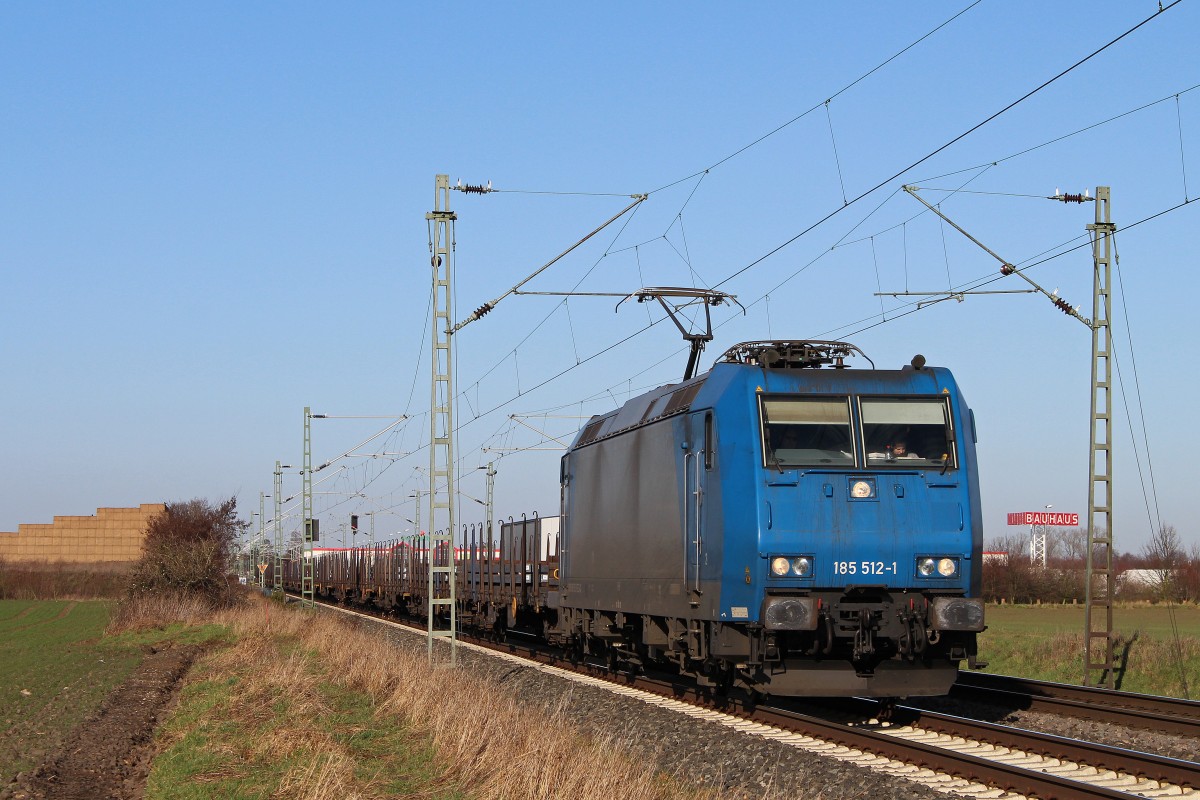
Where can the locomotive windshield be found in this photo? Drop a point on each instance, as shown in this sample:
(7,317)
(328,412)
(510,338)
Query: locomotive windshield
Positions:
(901,432)
(907,432)
(807,432)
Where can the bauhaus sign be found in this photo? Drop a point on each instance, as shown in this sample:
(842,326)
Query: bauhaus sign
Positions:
(1043,518)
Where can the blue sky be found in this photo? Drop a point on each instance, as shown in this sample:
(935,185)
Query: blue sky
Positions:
(212,215)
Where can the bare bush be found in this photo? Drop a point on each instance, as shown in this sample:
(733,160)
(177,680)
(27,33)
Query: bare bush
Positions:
(42,580)
(187,550)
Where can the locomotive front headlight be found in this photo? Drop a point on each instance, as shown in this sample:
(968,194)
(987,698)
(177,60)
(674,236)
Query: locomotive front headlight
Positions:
(802,566)
(780,566)
(947,567)
(862,489)
(925,567)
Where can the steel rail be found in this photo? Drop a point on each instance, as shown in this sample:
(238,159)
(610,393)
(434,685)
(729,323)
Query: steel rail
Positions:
(992,773)
(963,765)
(1148,712)
(1104,757)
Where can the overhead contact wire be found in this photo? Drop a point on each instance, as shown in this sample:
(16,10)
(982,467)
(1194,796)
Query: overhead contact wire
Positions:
(1065,136)
(1137,385)
(804,114)
(850,202)
(837,161)
(1182,162)
(953,141)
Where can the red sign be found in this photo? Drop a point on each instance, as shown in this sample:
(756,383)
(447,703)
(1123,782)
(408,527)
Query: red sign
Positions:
(1043,518)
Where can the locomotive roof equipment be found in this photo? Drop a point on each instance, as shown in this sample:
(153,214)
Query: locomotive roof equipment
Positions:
(708,297)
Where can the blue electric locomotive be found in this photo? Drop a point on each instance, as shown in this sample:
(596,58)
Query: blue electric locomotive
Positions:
(782,522)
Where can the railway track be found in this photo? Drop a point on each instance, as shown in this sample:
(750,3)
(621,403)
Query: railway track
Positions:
(968,757)
(1148,712)
(1098,765)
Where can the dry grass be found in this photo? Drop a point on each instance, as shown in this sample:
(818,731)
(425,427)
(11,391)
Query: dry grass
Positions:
(146,612)
(489,748)
(329,775)
(258,719)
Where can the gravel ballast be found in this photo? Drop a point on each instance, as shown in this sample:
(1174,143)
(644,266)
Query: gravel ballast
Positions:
(705,752)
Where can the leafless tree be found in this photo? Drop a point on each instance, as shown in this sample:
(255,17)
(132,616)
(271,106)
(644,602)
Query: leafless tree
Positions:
(187,549)
(1071,544)
(1164,553)
(1165,549)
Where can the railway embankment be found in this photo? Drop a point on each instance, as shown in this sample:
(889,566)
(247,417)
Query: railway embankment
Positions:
(267,699)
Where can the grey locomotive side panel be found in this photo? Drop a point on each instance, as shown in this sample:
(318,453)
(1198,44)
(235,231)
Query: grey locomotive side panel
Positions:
(625,521)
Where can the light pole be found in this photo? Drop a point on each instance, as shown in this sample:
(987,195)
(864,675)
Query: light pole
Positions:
(254,556)
(278,571)
(262,534)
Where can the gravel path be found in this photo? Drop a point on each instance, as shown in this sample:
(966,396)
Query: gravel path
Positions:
(108,755)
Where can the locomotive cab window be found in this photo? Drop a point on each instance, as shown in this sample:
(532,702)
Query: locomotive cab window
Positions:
(907,432)
(806,432)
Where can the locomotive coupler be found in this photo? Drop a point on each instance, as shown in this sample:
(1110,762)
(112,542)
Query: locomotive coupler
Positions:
(864,637)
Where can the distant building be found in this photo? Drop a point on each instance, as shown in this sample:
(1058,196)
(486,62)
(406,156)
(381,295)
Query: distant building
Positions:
(995,557)
(1143,578)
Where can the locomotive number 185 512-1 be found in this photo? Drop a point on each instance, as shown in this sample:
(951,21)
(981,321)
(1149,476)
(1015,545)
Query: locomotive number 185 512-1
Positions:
(864,568)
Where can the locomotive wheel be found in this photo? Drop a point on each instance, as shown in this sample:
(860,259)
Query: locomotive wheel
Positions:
(887,708)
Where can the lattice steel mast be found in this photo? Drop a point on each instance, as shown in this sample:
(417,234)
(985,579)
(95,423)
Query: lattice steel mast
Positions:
(278,494)
(441,406)
(440,222)
(306,553)
(1100,588)
(1098,648)
(262,533)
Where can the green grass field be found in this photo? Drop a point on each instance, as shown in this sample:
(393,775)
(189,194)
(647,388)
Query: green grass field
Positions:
(1046,642)
(56,668)
(54,672)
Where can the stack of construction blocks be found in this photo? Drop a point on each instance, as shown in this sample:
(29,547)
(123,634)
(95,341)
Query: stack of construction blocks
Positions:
(110,535)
